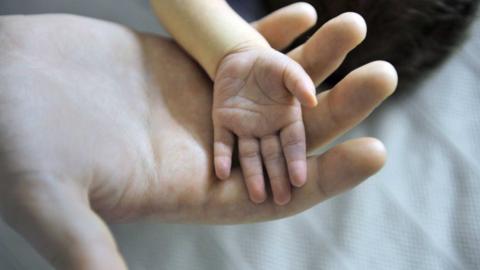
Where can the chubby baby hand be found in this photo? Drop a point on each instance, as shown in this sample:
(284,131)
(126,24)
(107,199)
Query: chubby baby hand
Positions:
(258,94)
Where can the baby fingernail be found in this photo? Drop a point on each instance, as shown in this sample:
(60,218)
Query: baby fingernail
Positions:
(298,174)
(222,167)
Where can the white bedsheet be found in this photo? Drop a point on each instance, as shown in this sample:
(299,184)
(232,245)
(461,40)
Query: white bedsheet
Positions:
(422,211)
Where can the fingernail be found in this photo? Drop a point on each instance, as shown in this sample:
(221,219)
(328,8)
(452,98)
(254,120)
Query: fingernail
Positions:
(222,167)
(298,174)
(257,191)
(282,199)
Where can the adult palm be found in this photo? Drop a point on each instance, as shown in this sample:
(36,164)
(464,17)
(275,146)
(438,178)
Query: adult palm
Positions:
(98,122)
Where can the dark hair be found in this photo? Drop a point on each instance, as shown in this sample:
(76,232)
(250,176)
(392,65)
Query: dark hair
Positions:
(414,35)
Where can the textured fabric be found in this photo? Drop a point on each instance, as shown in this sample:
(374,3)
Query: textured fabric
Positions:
(422,211)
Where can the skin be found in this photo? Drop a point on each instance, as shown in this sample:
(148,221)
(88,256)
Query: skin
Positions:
(119,128)
(254,88)
(253,105)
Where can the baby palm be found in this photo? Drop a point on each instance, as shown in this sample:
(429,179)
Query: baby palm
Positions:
(255,98)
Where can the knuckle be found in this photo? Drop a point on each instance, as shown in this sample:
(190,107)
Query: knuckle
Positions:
(272,154)
(252,176)
(277,180)
(293,141)
(294,149)
(248,152)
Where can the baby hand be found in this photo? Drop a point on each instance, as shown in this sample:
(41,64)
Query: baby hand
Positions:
(257,96)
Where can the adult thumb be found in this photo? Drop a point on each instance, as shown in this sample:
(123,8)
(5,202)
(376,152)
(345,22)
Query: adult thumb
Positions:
(55,217)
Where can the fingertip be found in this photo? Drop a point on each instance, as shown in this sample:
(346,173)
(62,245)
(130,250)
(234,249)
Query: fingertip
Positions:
(356,24)
(258,199)
(307,13)
(312,101)
(298,173)
(282,199)
(256,190)
(379,77)
(222,167)
(386,76)
(366,156)
(377,155)
(309,102)
(304,91)
(306,96)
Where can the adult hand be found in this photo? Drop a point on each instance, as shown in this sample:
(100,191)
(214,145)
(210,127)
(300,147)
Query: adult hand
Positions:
(101,123)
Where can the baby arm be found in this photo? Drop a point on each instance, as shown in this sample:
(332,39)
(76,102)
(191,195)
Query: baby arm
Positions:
(253,88)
